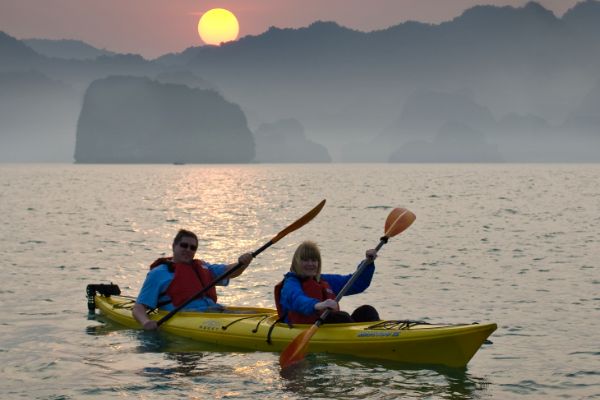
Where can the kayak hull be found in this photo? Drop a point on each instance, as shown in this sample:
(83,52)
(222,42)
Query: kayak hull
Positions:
(408,342)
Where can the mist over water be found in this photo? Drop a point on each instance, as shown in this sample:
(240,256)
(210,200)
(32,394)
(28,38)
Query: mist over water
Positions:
(514,244)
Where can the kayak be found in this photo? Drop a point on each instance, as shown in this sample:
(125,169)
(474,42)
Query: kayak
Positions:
(405,341)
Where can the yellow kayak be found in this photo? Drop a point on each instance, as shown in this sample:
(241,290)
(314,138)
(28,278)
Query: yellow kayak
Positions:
(411,342)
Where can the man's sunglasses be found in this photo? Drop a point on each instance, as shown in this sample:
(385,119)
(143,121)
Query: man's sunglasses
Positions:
(186,245)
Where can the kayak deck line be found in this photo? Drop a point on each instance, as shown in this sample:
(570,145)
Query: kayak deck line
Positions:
(259,329)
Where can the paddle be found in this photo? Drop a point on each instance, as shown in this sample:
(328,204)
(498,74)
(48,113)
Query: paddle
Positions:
(305,219)
(397,221)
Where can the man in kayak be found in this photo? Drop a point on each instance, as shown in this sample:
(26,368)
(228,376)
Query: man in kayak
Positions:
(305,293)
(172,281)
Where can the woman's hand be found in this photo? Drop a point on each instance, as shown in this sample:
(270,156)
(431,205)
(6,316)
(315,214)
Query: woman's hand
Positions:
(371,254)
(329,303)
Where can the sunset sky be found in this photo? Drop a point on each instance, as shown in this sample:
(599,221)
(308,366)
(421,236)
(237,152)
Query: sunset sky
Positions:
(155,27)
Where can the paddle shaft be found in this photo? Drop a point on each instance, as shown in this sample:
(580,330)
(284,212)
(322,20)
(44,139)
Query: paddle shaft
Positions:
(361,267)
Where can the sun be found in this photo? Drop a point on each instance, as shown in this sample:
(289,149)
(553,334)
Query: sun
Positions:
(217,26)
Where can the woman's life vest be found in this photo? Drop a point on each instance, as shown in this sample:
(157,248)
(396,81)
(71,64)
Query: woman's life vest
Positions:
(189,279)
(311,288)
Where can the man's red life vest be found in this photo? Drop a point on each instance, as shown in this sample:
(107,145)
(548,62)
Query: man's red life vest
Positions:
(317,290)
(189,279)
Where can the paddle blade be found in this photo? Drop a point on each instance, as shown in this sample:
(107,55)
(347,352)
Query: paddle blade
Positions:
(296,350)
(398,220)
(305,219)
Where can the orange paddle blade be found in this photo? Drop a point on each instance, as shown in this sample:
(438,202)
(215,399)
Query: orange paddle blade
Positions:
(398,220)
(305,219)
(296,350)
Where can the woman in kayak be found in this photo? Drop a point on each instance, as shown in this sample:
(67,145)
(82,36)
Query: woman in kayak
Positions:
(305,293)
(172,281)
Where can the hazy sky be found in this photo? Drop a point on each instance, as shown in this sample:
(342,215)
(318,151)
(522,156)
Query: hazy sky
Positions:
(155,27)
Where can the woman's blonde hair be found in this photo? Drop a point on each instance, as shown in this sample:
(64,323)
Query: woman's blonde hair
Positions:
(306,251)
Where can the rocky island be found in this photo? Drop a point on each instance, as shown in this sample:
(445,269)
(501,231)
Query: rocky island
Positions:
(138,120)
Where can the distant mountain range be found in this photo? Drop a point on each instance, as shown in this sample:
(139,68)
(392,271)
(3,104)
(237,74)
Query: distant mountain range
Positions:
(518,80)
(67,49)
(284,141)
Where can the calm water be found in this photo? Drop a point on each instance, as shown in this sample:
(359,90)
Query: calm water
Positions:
(514,244)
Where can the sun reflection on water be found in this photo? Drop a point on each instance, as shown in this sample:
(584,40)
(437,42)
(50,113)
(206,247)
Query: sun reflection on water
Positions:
(232,211)
(218,203)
